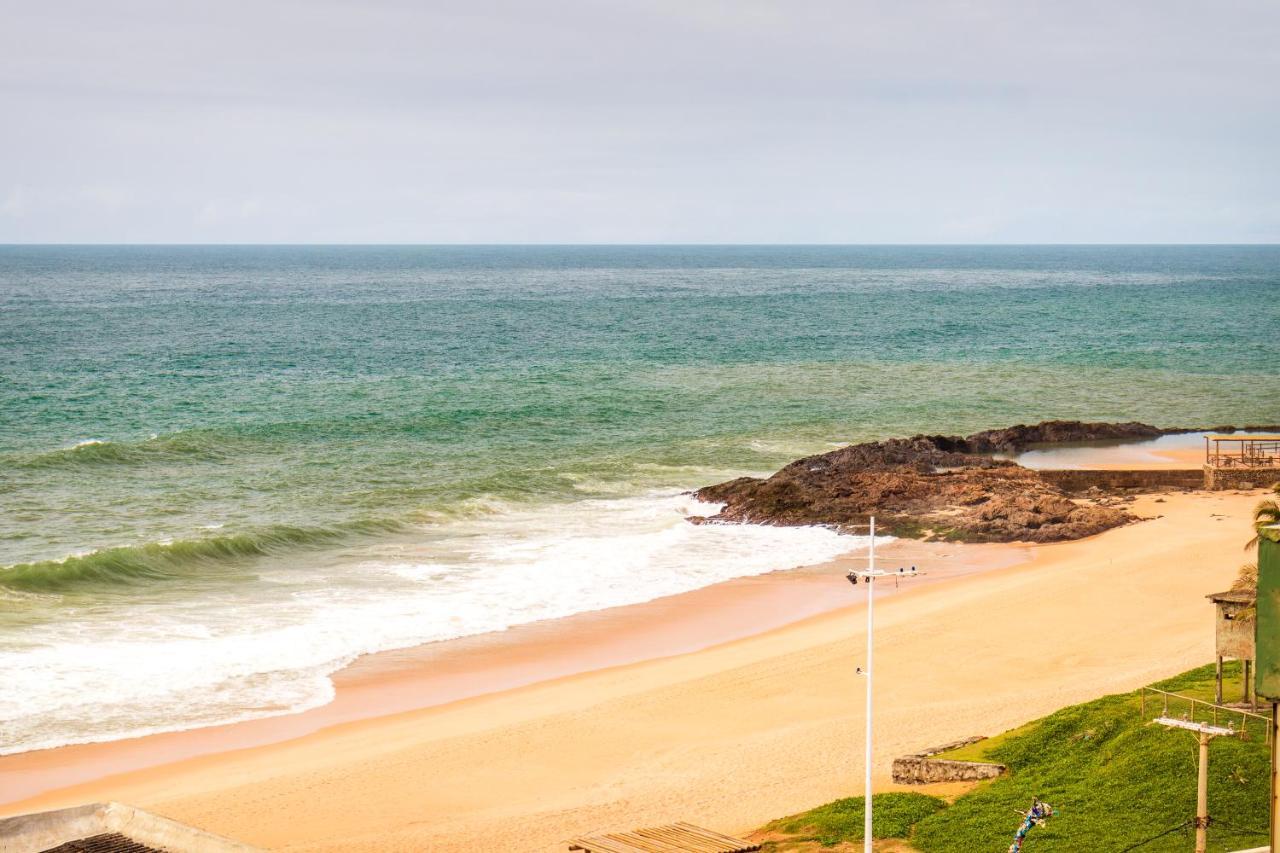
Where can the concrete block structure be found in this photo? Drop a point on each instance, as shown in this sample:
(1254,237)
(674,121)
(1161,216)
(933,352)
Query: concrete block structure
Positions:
(1241,461)
(108,828)
(1233,634)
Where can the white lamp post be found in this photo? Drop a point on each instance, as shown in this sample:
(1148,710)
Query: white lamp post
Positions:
(868,576)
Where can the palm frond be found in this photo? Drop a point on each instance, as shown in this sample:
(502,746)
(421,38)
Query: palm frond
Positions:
(1246,578)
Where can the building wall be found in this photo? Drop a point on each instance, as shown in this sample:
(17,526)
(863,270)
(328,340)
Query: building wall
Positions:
(1234,636)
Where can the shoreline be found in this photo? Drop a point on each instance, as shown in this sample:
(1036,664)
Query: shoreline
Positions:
(433,674)
(727,706)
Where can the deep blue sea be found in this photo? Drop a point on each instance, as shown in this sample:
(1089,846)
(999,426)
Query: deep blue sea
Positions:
(227,471)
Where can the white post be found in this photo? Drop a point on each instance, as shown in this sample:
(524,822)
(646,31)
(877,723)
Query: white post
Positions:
(869,576)
(871,622)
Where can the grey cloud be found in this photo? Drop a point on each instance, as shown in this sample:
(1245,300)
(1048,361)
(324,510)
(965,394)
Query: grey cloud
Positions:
(662,121)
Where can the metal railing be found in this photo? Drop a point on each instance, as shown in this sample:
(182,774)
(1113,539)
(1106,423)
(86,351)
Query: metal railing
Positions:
(1208,711)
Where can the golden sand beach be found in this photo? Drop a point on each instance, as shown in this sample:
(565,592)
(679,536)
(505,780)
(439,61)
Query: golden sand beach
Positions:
(763,722)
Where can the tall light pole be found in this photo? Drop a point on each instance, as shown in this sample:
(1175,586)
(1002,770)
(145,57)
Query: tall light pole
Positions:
(868,577)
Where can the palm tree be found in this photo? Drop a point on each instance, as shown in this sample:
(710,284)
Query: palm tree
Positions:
(1265,514)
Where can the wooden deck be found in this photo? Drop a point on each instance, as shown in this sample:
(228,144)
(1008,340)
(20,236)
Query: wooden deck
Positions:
(1242,451)
(672,838)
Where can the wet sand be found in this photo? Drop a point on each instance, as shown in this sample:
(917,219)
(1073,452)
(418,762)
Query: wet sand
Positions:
(429,675)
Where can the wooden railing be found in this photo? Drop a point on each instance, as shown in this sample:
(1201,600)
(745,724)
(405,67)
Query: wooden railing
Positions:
(1242,453)
(1210,712)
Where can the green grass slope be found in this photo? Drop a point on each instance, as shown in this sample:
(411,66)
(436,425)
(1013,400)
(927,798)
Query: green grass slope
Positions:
(895,813)
(1117,782)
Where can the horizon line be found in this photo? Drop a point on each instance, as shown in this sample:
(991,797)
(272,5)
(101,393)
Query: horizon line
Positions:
(336,244)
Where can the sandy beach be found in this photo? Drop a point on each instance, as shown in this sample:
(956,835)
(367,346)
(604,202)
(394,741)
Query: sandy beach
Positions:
(764,722)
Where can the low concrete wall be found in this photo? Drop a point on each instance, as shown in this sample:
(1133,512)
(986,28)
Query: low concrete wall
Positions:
(1240,478)
(31,833)
(921,771)
(1081,480)
(922,768)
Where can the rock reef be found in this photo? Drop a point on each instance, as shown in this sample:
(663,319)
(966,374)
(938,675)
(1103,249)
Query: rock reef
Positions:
(932,487)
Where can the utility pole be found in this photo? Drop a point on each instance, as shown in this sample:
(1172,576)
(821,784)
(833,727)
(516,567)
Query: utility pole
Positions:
(1205,732)
(1275,776)
(868,576)
(1266,642)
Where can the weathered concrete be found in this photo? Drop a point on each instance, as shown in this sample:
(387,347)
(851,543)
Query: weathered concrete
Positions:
(31,833)
(922,768)
(1233,635)
(1073,480)
(1217,479)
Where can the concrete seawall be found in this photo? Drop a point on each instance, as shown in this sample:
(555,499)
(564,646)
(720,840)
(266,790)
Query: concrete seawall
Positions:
(1072,480)
(1081,480)
(1240,478)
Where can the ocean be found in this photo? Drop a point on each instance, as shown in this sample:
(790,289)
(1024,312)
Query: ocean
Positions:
(225,472)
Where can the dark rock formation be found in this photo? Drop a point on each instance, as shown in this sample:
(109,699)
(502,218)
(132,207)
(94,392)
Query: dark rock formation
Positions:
(931,487)
(1015,438)
(1002,503)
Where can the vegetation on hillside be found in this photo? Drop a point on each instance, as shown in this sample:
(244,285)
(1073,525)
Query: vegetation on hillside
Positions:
(1116,780)
(895,813)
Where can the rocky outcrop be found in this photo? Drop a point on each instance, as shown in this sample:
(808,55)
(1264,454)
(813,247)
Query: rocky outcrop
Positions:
(1015,438)
(932,487)
(1004,503)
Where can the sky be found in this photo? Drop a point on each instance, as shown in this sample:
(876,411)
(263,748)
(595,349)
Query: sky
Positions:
(689,121)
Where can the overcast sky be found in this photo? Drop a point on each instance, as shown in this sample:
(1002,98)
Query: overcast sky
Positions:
(681,121)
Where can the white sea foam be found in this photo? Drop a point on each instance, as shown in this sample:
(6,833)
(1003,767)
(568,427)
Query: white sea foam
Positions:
(268,647)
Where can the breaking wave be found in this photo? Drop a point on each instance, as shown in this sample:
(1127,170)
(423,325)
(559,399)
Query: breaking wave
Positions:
(194,445)
(161,561)
(268,644)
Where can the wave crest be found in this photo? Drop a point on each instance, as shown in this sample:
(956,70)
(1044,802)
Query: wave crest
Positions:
(201,445)
(133,565)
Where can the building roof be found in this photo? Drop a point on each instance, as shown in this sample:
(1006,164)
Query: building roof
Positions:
(672,838)
(1235,596)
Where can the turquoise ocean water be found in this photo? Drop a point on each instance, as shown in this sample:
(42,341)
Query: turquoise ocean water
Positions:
(227,471)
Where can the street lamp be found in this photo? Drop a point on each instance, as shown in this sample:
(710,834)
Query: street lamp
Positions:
(868,576)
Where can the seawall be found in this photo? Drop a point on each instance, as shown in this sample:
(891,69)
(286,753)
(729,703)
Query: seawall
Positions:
(1157,479)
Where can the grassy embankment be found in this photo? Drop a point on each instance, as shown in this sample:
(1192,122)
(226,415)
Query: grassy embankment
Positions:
(1115,779)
